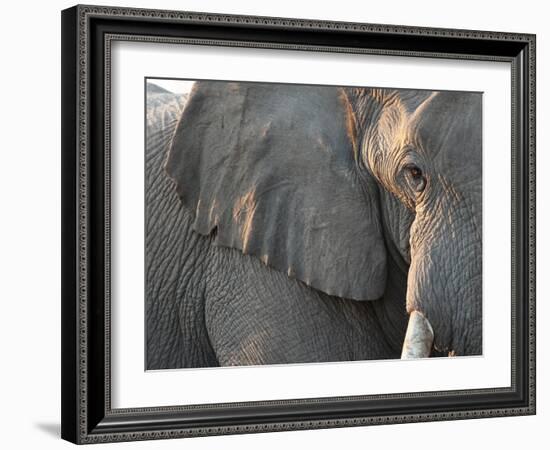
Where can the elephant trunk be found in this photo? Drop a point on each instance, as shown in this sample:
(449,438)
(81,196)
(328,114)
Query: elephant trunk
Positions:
(418,338)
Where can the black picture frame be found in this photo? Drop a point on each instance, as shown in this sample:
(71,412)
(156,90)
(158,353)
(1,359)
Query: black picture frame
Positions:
(87,32)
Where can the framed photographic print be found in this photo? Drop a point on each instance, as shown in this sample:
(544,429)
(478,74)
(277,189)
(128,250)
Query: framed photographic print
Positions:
(279,224)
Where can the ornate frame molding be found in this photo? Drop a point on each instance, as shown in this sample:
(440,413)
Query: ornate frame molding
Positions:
(85,422)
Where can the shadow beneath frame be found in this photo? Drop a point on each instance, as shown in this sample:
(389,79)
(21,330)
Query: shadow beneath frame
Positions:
(52,429)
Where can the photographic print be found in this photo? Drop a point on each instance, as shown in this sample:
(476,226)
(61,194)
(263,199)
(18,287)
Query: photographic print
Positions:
(306,224)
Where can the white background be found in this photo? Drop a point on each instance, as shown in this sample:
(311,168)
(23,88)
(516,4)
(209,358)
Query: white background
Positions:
(132,387)
(30,223)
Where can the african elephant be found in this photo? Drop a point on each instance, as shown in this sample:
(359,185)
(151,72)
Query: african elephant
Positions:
(297,223)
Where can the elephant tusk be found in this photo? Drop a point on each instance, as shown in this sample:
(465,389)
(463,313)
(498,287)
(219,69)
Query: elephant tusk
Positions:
(419,337)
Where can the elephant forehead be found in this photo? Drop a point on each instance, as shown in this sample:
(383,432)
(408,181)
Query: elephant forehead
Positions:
(448,130)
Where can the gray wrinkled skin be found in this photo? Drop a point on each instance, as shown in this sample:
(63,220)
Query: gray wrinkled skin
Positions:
(283,224)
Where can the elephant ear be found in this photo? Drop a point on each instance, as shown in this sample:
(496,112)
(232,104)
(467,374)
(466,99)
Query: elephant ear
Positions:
(269,169)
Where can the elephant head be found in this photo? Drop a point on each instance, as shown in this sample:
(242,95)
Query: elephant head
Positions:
(326,184)
(426,152)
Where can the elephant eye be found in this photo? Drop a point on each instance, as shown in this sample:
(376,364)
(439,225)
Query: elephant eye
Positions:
(415,172)
(415,178)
